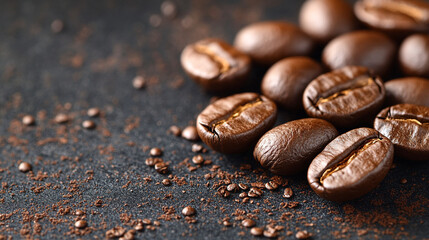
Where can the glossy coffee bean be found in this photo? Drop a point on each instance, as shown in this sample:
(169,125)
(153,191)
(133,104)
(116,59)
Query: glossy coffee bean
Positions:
(407,126)
(323,20)
(411,90)
(268,42)
(396,17)
(414,55)
(351,165)
(215,65)
(370,49)
(289,148)
(233,124)
(345,97)
(286,80)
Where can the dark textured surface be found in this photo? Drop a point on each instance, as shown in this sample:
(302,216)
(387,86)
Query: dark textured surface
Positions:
(92,63)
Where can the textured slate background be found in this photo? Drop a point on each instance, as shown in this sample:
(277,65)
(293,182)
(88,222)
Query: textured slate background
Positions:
(91,64)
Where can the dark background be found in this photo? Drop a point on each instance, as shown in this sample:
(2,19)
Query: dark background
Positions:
(91,63)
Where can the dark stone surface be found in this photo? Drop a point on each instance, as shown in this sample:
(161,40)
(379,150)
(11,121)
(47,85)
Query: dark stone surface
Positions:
(91,64)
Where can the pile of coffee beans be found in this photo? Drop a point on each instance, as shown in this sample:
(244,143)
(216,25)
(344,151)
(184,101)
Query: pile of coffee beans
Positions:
(332,67)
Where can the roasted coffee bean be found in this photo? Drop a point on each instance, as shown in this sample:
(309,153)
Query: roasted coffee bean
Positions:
(248,223)
(79,212)
(414,55)
(270,233)
(345,97)
(411,90)
(28,120)
(81,224)
(155,152)
(190,133)
(325,19)
(287,193)
(161,167)
(215,65)
(286,80)
(233,187)
(254,192)
(396,17)
(93,112)
(370,49)
(24,167)
(61,118)
(302,235)
(223,192)
(189,211)
(88,124)
(139,227)
(351,165)
(268,42)
(166,182)
(243,186)
(175,130)
(198,159)
(139,82)
(233,124)
(289,148)
(152,161)
(271,185)
(242,195)
(407,126)
(256,231)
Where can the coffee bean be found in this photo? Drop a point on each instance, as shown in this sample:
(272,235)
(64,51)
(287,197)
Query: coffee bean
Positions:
(215,65)
(289,148)
(139,227)
(161,167)
(285,81)
(129,235)
(254,192)
(152,161)
(270,234)
(248,223)
(189,211)
(268,42)
(223,192)
(271,185)
(287,193)
(155,152)
(256,231)
(61,118)
(414,55)
(79,212)
(93,112)
(169,9)
(24,167)
(166,182)
(197,148)
(57,26)
(233,124)
(243,186)
(139,82)
(366,48)
(88,124)
(146,221)
(302,235)
(190,133)
(345,97)
(115,232)
(81,224)
(325,19)
(242,195)
(28,120)
(407,126)
(396,17)
(411,90)
(233,187)
(175,130)
(227,223)
(351,165)
(198,159)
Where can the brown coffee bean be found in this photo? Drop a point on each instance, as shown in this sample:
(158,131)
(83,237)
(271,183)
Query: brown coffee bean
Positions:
(175,130)
(81,224)
(190,133)
(366,48)
(243,186)
(28,120)
(287,193)
(197,148)
(169,9)
(146,221)
(161,167)
(155,152)
(189,211)
(88,124)
(115,232)
(79,212)
(302,235)
(198,159)
(396,17)
(289,148)
(139,82)
(323,20)
(254,192)
(227,223)
(166,182)
(268,42)
(152,161)
(256,231)
(285,81)
(233,187)
(351,165)
(410,90)
(61,118)
(346,97)
(93,112)
(407,127)
(139,227)
(414,55)
(248,223)
(24,167)
(270,234)
(233,124)
(215,65)
(271,185)
(242,195)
